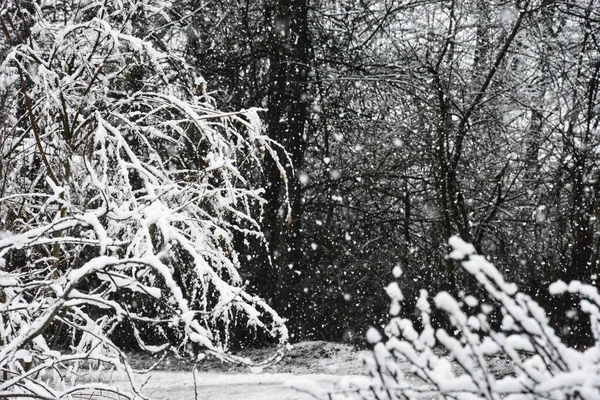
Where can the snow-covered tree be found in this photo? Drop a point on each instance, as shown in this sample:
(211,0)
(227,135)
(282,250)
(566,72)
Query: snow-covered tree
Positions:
(499,344)
(123,191)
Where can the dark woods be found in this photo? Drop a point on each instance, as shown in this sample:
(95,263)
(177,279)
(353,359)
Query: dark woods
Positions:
(402,123)
(408,122)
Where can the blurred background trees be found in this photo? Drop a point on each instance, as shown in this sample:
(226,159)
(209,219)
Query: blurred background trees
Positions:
(408,122)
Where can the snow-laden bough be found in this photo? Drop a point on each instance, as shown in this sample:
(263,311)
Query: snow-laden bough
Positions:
(458,362)
(122,189)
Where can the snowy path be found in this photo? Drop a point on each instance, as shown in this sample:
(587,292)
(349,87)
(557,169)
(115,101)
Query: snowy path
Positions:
(218,386)
(323,362)
(315,366)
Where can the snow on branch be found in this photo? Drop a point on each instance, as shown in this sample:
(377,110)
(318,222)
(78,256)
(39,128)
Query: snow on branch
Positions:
(120,194)
(417,360)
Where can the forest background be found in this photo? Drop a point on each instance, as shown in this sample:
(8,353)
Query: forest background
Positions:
(401,123)
(408,122)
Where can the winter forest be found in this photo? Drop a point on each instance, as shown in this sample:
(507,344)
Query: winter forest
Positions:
(418,180)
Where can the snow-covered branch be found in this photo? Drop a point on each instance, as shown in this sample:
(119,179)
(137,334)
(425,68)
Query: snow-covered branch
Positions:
(121,192)
(460,361)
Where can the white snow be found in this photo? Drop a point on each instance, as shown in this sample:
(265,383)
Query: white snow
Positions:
(373,336)
(222,386)
(461,249)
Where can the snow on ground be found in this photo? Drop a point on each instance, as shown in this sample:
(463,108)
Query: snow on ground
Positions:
(313,364)
(226,386)
(304,358)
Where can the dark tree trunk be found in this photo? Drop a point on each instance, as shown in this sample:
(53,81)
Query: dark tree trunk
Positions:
(286,119)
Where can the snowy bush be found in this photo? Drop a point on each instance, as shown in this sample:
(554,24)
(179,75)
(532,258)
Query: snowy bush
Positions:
(121,190)
(461,362)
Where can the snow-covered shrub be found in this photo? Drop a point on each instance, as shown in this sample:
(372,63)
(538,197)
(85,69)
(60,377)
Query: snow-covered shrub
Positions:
(476,358)
(121,188)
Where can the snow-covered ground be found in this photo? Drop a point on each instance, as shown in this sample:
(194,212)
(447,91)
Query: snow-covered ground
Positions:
(310,365)
(313,366)
(227,386)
